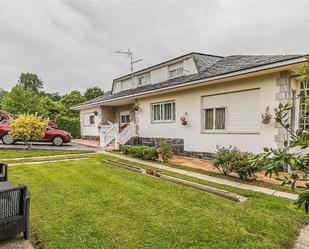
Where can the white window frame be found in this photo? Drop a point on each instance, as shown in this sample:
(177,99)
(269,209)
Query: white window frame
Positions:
(90,118)
(145,77)
(162,120)
(214,119)
(303,110)
(86,116)
(124,114)
(178,73)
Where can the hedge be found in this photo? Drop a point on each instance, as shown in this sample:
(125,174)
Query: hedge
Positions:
(69,124)
(142,152)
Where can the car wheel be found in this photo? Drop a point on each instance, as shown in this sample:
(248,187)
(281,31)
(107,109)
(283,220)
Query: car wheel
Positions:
(57,140)
(7,139)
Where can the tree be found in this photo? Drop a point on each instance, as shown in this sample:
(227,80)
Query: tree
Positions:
(73,98)
(93,92)
(28,128)
(20,100)
(53,96)
(292,154)
(30,82)
(2,94)
(49,108)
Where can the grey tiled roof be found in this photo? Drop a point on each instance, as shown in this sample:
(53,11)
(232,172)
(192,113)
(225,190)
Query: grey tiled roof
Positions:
(208,66)
(204,61)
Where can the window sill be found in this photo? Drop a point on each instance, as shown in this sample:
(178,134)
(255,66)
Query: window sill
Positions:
(231,133)
(163,122)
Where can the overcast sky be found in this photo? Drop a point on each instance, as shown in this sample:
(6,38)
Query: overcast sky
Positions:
(71,44)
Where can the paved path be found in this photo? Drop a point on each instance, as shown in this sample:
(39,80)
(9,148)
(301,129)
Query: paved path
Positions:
(267,191)
(17,243)
(303,239)
(49,146)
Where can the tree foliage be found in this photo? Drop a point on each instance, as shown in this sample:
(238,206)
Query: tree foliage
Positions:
(30,82)
(28,128)
(28,97)
(92,93)
(292,156)
(20,100)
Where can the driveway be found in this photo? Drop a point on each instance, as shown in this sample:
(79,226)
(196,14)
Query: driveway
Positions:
(49,146)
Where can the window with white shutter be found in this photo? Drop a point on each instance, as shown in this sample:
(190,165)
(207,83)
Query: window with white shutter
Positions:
(232,112)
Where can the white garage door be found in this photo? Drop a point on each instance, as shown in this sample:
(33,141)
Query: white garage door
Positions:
(241,110)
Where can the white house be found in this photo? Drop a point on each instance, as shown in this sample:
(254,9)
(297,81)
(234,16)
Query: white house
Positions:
(198,101)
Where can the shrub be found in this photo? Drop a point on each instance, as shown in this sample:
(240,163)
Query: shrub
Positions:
(143,152)
(69,124)
(242,165)
(223,159)
(28,128)
(166,151)
(231,159)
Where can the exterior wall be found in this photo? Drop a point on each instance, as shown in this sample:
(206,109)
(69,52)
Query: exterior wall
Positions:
(156,75)
(90,130)
(108,114)
(190,101)
(124,108)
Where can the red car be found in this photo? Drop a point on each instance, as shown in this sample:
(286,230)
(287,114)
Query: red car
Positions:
(56,136)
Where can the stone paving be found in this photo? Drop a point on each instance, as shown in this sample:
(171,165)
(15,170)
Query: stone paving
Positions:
(50,146)
(240,185)
(303,239)
(17,243)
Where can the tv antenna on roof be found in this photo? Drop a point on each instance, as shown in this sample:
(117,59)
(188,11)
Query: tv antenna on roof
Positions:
(130,55)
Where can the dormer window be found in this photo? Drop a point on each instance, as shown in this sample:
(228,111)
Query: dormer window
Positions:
(175,70)
(143,80)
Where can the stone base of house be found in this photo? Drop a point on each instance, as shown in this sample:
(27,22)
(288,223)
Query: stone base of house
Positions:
(96,138)
(197,154)
(177,144)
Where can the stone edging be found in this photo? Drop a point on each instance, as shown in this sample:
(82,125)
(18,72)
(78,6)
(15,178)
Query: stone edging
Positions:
(302,241)
(208,178)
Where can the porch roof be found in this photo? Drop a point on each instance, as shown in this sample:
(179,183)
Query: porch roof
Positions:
(226,67)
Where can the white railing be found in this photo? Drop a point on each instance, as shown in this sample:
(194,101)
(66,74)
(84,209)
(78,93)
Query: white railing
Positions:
(106,136)
(127,133)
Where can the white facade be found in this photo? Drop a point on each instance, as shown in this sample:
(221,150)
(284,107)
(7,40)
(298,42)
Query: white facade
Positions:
(223,110)
(157,74)
(245,101)
(88,128)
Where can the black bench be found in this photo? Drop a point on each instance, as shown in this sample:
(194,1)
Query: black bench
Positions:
(14,208)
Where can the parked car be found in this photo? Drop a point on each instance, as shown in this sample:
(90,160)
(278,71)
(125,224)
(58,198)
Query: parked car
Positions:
(56,136)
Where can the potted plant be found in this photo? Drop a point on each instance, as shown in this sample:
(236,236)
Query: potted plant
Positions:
(266,116)
(184,119)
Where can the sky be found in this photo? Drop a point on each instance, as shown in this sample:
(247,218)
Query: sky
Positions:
(71,44)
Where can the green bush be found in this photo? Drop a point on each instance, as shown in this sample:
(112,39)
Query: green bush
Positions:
(243,167)
(69,124)
(142,152)
(223,159)
(232,160)
(166,151)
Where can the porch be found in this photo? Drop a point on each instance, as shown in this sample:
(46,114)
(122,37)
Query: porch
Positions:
(111,125)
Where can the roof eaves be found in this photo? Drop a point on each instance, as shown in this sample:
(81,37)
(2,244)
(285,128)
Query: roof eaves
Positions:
(206,79)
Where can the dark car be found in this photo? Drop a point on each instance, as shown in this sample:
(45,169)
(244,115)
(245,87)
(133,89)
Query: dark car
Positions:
(56,136)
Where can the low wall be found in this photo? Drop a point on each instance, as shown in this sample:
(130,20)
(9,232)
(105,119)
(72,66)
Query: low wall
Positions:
(97,138)
(177,144)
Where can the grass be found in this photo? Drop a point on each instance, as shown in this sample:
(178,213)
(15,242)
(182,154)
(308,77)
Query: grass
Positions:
(13,153)
(91,204)
(278,187)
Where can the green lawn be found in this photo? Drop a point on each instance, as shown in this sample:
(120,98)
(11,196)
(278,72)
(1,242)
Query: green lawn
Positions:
(278,187)
(12,153)
(91,204)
